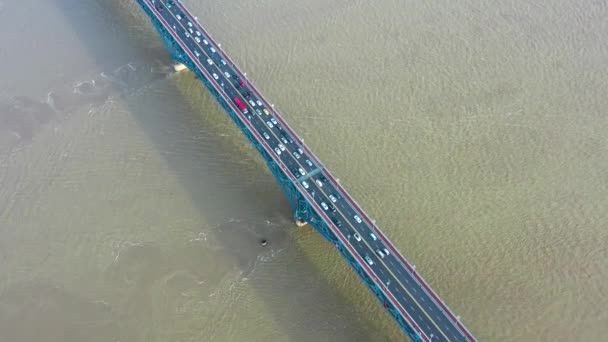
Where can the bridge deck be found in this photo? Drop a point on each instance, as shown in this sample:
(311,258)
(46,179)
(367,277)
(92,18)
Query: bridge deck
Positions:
(391,272)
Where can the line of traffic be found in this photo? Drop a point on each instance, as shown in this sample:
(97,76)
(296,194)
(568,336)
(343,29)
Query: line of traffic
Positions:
(291,160)
(388,294)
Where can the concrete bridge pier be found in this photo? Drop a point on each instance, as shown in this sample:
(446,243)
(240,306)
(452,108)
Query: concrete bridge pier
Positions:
(179,67)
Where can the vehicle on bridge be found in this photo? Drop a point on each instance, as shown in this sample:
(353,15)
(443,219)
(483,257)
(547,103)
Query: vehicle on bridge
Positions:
(241,105)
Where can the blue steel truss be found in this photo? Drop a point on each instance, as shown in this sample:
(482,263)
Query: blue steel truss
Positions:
(303,210)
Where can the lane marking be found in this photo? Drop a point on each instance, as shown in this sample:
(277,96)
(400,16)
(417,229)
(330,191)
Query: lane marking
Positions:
(436,299)
(263,123)
(322,189)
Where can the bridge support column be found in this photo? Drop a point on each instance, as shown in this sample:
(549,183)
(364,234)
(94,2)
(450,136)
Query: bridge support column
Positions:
(179,67)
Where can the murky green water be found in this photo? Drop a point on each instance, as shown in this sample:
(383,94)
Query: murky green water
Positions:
(131,207)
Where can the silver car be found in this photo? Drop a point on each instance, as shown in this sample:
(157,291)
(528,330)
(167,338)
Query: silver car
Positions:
(276,149)
(305,185)
(319,183)
(333,198)
(357,218)
(266,136)
(269,124)
(325,207)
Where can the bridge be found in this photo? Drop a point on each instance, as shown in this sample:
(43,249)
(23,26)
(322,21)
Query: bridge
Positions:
(315,195)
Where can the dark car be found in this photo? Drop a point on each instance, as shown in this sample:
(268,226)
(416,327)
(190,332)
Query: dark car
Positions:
(336,221)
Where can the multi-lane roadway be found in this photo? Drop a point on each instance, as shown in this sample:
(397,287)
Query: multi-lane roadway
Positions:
(397,278)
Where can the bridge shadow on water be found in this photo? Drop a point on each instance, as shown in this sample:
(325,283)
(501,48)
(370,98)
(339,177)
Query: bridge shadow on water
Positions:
(303,305)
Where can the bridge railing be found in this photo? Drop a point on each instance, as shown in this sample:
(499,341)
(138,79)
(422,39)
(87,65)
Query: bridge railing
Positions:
(258,94)
(318,162)
(404,261)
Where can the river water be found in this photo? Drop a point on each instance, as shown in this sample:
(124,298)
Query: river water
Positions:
(475,134)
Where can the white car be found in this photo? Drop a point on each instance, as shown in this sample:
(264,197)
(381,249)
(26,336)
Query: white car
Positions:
(227,74)
(373,236)
(305,185)
(282,147)
(357,236)
(276,149)
(266,136)
(205,42)
(380,253)
(333,198)
(274,121)
(300,150)
(198,40)
(187,34)
(369,260)
(302,172)
(325,207)
(308,161)
(212,49)
(319,183)
(223,62)
(295,154)
(284,140)
(386,252)
(357,218)
(190,24)
(252,103)
(196,53)
(269,124)
(259,102)
(215,76)
(198,33)
(190,30)
(179,17)
(209,61)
